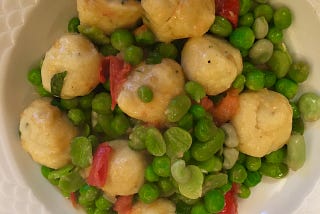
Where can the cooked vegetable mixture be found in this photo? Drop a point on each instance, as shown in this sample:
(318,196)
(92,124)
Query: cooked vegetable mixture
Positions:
(168,106)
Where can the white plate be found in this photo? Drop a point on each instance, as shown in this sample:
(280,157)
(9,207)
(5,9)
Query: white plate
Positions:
(27,30)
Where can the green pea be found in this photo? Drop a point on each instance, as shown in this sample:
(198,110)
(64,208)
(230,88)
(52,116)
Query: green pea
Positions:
(242,38)
(76,116)
(150,175)
(154,142)
(95,34)
(264,10)
(213,181)
(133,55)
(195,90)
(55,175)
(204,129)
(260,27)
(226,188)
(102,203)
(244,191)
(205,150)
(214,201)
(71,182)
(277,156)
(261,51)
(153,57)
(108,50)
(237,174)
(299,71)
(99,211)
(221,27)
(101,103)
(43,92)
(213,164)
(144,36)
(104,125)
(297,126)
(309,106)
(148,193)
(178,141)
(73,25)
(275,35)
(241,158)
(166,187)
(81,152)
(34,77)
(120,124)
(286,87)
(282,18)
(177,108)
(245,6)
(121,39)
(253,163)
(69,103)
(270,79)
(199,208)
(230,156)
(90,209)
(239,82)
(94,141)
(167,50)
(253,178)
(85,102)
(145,93)
(186,122)
(89,193)
(295,110)
(274,170)
(45,171)
(162,166)
(246,20)
(247,67)
(182,207)
(279,63)
(296,152)
(255,80)
(137,137)
(197,111)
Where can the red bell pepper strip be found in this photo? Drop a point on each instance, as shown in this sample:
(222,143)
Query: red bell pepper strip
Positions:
(73,199)
(228,9)
(98,172)
(117,71)
(123,204)
(230,204)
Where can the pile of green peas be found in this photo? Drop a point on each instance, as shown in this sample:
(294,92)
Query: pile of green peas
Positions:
(193,152)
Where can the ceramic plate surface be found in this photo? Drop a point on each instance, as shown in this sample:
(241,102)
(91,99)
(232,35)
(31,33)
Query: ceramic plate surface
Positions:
(29,27)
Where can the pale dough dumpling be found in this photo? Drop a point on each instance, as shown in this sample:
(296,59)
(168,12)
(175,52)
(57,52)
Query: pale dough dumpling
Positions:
(109,15)
(159,206)
(41,126)
(263,122)
(126,170)
(212,62)
(77,56)
(166,81)
(176,19)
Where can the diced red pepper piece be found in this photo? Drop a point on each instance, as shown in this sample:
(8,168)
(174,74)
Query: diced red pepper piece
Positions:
(99,170)
(230,204)
(228,9)
(117,71)
(73,199)
(123,204)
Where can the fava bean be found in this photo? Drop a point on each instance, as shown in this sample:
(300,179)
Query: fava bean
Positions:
(277,156)
(81,152)
(214,181)
(231,135)
(260,27)
(95,34)
(195,90)
(296,152)
(309,106)
(274,170)
(261,51)
(154,142)
(214,164)
(180,172)
(178,141)
(205,129)
(137,137)
(177,108)
(279,63)
(230,157)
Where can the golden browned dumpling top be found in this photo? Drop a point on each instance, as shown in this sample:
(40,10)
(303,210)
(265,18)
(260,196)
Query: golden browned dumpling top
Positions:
(176,19)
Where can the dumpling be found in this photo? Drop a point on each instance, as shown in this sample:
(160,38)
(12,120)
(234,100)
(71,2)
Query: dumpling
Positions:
(41,135)
(212,62)
(159,206)
(263,122)
(166,81)
(126,170)
(77,56)
(109,15)
(176,19)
